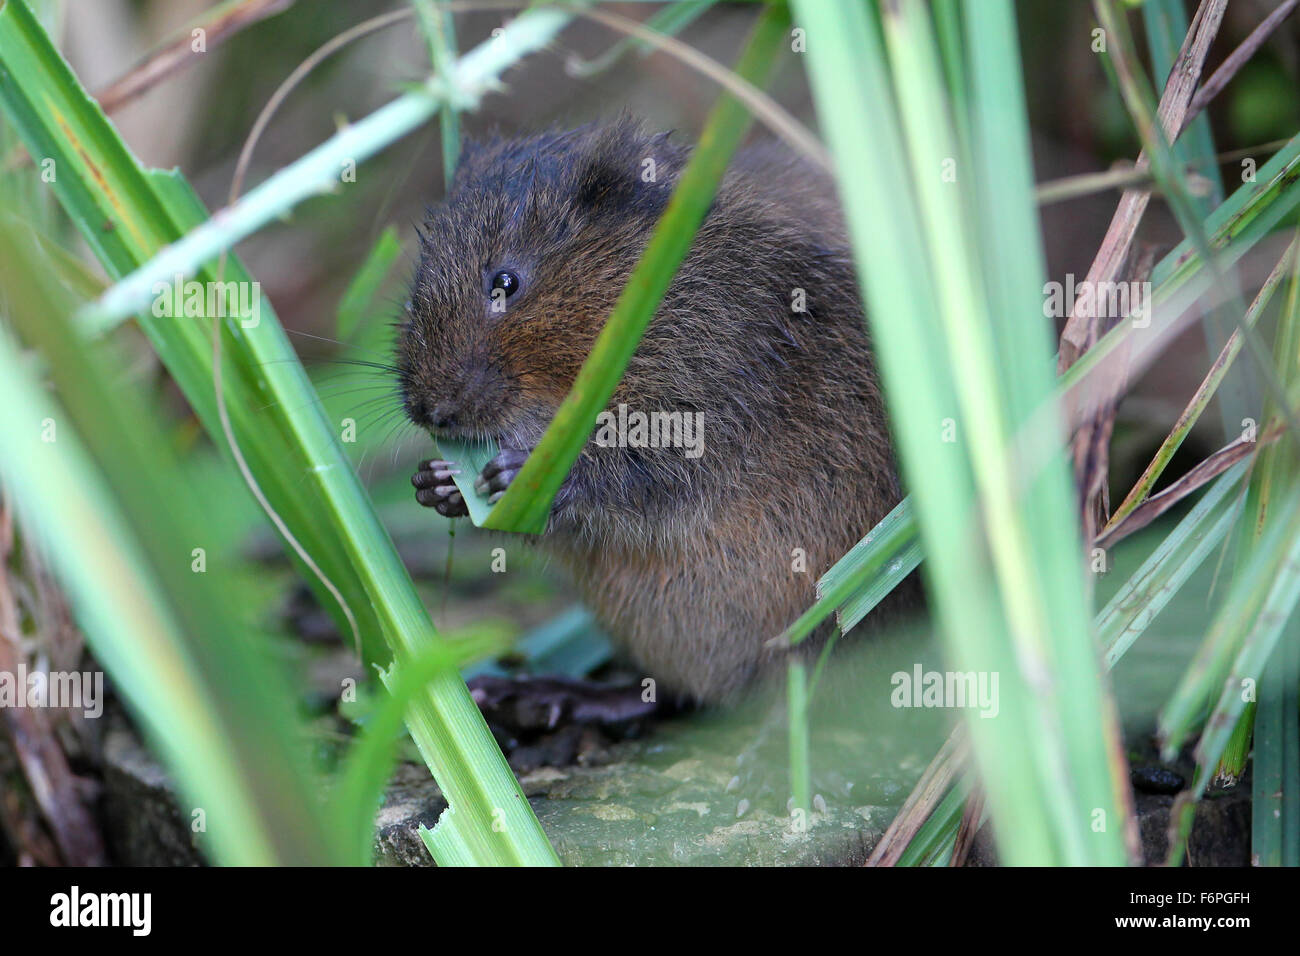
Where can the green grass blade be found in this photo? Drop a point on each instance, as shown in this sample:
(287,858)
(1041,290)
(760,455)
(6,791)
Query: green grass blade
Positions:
(1121,622)
(864,576)
(1252,212)
(318,172)
(369,762)
(1259,602)
(127,216)
(1014,266)
(1169,174)
(471,457)
(1239,222)
(1166,26)
(931,267)
(1275,818)
(121,525)
(1207,390)
(797,713)
(1241,637)
(359,300)
(891,562)
(1275,837)
(1232,762)
(933,843)
(439,27)
(1150,589)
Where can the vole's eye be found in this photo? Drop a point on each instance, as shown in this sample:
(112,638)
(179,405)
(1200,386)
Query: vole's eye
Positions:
(506,281)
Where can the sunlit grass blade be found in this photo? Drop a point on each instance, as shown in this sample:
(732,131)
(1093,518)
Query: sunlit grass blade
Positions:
(127,215)
(1150,589)
(949,31)
(1240,639)
(369,762)
(319,171)
(100,489)
(864,576)
(953,286)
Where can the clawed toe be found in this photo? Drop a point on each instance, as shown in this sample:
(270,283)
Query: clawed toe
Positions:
(499,472)
(435,489)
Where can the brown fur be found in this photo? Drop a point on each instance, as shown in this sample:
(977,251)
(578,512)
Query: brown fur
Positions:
(686,562)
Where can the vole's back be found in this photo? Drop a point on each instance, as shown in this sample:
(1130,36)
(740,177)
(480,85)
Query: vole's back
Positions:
(797,463)
(691,563)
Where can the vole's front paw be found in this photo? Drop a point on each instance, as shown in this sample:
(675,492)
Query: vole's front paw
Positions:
(499,472)
(435,489)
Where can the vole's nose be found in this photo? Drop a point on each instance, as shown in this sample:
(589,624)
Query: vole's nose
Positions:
(442,414)
(435,414)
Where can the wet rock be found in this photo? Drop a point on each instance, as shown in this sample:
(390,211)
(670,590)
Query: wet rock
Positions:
(658,801)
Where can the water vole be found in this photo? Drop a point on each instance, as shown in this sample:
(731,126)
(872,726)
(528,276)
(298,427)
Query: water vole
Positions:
(690,563)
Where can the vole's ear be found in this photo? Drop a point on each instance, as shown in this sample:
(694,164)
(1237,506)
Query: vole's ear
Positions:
(625,181)
(607,182)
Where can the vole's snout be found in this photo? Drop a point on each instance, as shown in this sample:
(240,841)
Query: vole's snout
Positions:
(430,413)
(464,399)
(442,414)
